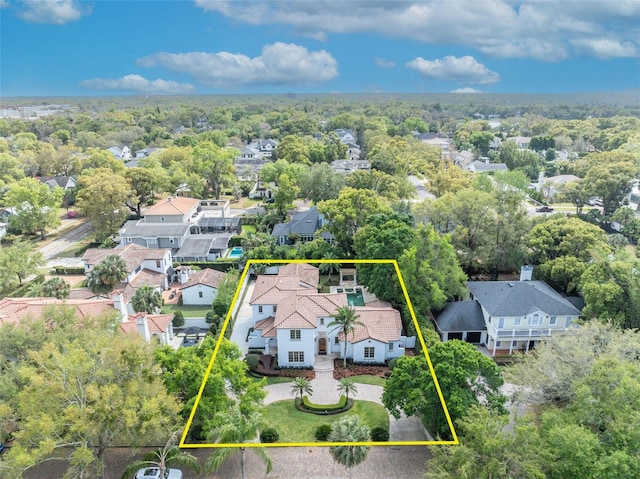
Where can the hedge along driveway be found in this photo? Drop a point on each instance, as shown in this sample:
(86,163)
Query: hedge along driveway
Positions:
(297,426)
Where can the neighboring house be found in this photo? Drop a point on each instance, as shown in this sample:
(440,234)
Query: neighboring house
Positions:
(484,166)
(175,209)
(349,166)
(521,141)
(13,310)
(516,314)
(202,287)
(291,320)
(145,152)
(155,235)
(634,196)
(262,190)
(443,143)
(464,158)
(305,225)
(3,230)
(145,266)
(551,186)
(212,224)
(67,183)
(495,144)
(203,247)
(120,152)
(346,136)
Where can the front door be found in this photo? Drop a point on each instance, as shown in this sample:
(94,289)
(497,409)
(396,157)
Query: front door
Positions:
(322,346)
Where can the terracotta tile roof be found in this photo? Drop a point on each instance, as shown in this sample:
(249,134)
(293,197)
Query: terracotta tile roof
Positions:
(176,205)
(271,289)
(307,273)
(267,327)
(132,254)
(381,324)
(12,310)
(303,310)
(207,277)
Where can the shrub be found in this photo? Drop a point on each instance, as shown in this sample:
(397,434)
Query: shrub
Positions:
(324,407)
(393,363)
(323,432)
(252,361)
(269,435)
(379,434)
(180,302)
(178,319)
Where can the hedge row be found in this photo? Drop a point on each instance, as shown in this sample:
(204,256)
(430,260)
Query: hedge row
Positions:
(222,265)
(70,270)
(323,409)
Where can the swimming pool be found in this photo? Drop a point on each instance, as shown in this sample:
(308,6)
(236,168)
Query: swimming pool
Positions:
(355,298)
(236,252)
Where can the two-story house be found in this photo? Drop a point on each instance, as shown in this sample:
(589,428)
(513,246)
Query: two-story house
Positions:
(293,321)
(507,316)
(304,225)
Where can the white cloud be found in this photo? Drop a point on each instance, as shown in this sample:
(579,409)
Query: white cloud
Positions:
(137,83)
(4,3)
(278,64)
(540,29)
(464,69)
(605,47)
(465,90)
(384,63)
(58,12)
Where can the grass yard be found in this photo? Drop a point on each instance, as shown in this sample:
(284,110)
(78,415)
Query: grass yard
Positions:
(297,426)
(273,380)
(248,229)
(368,379)
(187,311)
(75,251)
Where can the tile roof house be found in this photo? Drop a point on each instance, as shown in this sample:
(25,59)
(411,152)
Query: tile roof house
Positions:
(202,287)
(305,225)
(175,209)
(516,315)
(291,320)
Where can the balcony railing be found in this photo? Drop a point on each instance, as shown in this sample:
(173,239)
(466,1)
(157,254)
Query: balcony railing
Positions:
(527,333)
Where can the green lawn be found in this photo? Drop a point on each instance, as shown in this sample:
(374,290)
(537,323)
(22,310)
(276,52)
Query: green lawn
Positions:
(297,426)
(368,379)
(273,380)
(247,229)
(187,311)
(75,251)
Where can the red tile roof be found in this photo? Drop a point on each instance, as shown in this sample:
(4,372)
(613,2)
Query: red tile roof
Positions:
(176,205)
(12,310)
(207,277)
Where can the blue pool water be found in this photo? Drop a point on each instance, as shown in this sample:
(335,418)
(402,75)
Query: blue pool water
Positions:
(236,252)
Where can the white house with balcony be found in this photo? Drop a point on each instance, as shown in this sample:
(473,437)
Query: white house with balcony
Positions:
(507,316)
(291,321)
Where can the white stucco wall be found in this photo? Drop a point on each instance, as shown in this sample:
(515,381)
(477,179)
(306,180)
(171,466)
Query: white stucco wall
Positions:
(380,351)
(306,344)
(191,295)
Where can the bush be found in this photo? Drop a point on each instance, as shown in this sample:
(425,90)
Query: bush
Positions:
(379,434)
(178,319)
(235,241)
(323,432)
(252,361)
(269,435)
(180,302)
(324,407)
(393,363)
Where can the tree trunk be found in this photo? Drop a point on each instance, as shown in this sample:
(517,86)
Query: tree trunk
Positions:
(344,356)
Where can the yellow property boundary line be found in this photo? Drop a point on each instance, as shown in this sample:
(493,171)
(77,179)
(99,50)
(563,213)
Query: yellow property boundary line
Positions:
(251,262)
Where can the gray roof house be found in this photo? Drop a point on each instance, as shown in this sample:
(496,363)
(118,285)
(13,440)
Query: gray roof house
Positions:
(205,247)
(155,235)
(518,314)
(484,166)
(304,224)
(462,320)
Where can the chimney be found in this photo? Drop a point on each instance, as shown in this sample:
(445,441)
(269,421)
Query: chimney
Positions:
(118,304)
(143,327)
(526,273)
(169,199)
(184,275)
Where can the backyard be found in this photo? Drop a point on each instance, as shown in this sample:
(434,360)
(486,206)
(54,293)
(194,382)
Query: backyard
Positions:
(187,311)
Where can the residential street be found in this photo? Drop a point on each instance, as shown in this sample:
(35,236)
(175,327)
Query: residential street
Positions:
(78,231)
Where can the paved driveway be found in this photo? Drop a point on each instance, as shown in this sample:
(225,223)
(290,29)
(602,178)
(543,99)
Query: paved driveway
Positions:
(243,320)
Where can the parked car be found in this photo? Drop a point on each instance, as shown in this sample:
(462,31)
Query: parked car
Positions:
(595,201)
(544,209)
(154,473)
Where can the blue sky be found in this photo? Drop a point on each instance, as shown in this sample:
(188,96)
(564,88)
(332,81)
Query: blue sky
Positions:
(105,47)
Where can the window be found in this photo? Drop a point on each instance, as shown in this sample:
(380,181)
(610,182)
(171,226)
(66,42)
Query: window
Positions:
(369,352)
(259,309)
(534,320)
(517,321)
(294,335)
(200,294)
(171,240)
(500,323)
(390,346)
(336,340)
(158,263)
(296,356)
(275,308)
(321,321)
(553,320)
(498,344)
(162,218)
(128,240)
(567,322)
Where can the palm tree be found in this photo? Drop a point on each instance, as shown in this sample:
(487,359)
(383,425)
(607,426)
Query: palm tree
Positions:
(301,386)
(147,298)
(169,455)
(346,320)
(106,274)
(349,429)
(238,428)
(346,386)
(56,287)
(329,268)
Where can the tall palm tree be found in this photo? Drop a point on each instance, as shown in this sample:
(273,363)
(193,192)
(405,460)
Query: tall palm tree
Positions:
(238,428)
(301,386)
(346,386)
(147,298)
(346,320)
(349,429)
(329,268)
(163,458)
(106,274)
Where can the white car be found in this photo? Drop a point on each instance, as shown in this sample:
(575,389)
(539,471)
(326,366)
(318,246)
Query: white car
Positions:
(154,473)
